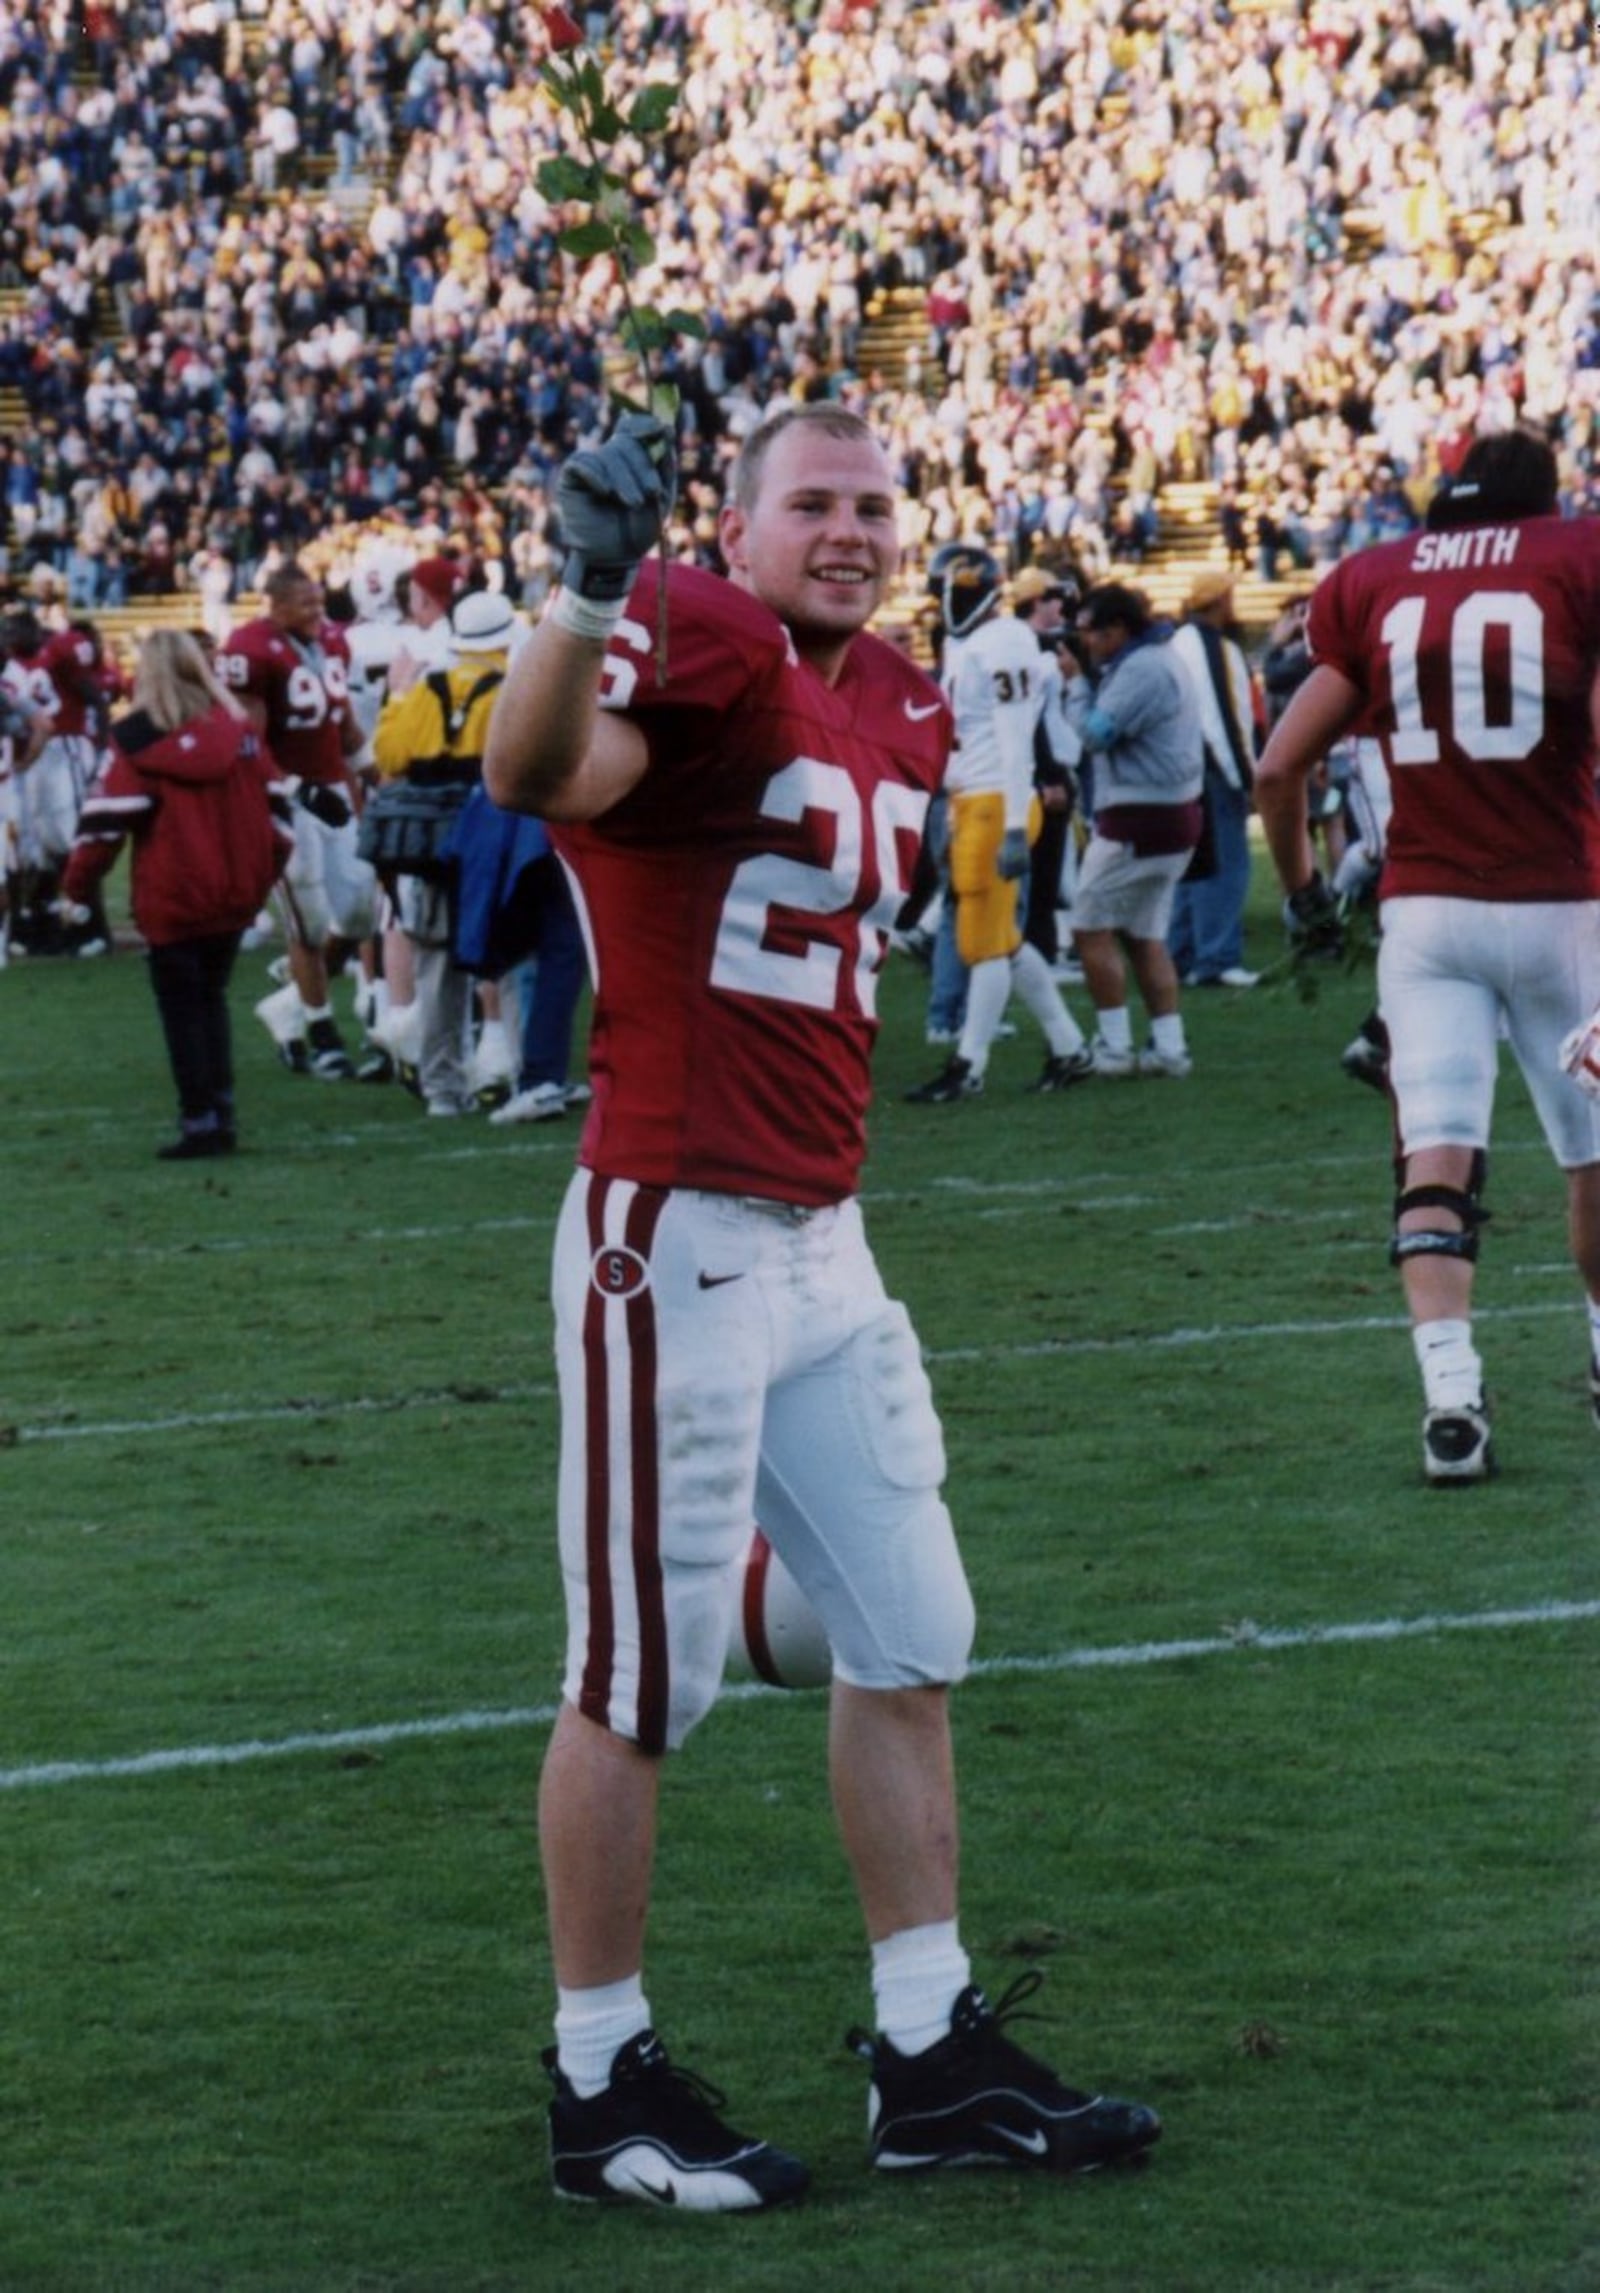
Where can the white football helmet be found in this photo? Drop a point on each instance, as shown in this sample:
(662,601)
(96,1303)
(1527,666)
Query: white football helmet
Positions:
(776,1635)
(373,580)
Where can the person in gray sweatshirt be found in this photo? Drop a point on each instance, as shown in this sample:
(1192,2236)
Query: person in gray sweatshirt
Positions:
(1136,715)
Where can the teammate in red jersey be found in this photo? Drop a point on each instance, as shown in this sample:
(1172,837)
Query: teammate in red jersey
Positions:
(1475,645)
(54,676)
(741,835)
(291,672)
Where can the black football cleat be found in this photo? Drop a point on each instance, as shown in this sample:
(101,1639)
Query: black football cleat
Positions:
(1061,1071)
(1457,1446)
(975,2098)
(955,1080)
(654,2136)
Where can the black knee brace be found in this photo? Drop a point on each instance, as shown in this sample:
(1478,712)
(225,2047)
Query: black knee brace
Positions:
(1441,1241)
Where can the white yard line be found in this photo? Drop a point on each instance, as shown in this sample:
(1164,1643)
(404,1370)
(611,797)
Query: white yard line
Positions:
(1246,1638)
(367,1405)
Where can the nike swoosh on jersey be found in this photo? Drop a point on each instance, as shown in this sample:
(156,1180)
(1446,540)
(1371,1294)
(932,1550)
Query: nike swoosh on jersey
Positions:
(916,712)
(715,1281)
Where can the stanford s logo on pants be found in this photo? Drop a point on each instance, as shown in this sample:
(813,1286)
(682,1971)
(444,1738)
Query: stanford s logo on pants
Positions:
(617,1272)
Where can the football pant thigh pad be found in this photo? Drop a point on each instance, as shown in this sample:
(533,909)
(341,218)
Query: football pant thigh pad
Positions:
(848,1493)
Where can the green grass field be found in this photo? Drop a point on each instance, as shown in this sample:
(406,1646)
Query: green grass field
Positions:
(1281,1765)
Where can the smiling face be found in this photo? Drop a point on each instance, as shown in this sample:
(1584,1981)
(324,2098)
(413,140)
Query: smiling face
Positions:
(817,540)
(297,608)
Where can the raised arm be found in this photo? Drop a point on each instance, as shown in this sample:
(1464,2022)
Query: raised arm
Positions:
(552,749)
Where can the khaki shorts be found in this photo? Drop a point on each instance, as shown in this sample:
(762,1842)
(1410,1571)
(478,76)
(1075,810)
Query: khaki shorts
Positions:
(1119,892)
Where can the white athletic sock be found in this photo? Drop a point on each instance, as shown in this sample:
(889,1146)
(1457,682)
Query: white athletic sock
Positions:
(1167,1035)
(1452,1374)
(323,1011)
(1035,984)
(988,991)
(917,1976)
(1594,1328)
(1116,1033)
(590,2027)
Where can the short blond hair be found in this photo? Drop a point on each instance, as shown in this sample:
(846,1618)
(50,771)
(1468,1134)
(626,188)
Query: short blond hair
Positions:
(832,420)
(175,682)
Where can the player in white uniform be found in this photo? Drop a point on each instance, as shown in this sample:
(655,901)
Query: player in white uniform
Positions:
(995,675)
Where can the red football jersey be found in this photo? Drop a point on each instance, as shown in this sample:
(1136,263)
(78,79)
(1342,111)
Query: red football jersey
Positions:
(1477,651)
(58,681)
(304,688)
(70,660)
(737,901)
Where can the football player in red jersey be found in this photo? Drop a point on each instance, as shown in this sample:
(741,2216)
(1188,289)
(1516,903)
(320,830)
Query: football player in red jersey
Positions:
(740,823)
(290,671)
(54,675)
(1475,645)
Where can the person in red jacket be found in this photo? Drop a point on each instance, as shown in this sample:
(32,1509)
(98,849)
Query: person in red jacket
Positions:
(197,790)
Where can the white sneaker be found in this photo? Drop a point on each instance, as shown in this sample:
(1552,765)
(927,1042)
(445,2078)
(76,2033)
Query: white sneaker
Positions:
(1177,1064)
(493,1070)
(539,1103)
(1110,1062)
(1237,976)
(283,1015)
(449,1109)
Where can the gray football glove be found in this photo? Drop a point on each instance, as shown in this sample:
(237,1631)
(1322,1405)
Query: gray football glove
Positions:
(1312,920)
(613,501)
(1013,861)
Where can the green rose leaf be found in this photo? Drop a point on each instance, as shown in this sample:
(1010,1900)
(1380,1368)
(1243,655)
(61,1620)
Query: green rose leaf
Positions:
(563,178)
(587,239)
(653,108)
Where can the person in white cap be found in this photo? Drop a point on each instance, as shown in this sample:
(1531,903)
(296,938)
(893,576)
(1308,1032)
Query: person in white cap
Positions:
(423,593)
(431,732)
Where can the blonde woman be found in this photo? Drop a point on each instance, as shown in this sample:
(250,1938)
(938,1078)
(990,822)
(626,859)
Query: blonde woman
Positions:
(194,788)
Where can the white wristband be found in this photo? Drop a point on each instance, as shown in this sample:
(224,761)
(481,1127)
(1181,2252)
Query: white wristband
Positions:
(585,616)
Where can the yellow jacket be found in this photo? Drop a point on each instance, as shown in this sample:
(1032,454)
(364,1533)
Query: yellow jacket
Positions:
(412,727)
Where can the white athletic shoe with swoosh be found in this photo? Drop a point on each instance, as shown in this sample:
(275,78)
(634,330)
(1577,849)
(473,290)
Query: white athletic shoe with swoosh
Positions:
(976,2099)
(654,2136)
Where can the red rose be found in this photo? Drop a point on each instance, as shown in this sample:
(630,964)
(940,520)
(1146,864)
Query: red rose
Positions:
(561,30)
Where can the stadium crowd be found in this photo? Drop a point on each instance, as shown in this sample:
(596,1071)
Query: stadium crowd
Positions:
(338,297)
(284,287)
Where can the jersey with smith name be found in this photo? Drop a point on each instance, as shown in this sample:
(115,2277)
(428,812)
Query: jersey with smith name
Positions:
(737,901)
(1476,651)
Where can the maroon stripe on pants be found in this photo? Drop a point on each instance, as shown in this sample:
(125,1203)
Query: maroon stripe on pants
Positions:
(594,1696)
(654,1672)
(639,1401)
